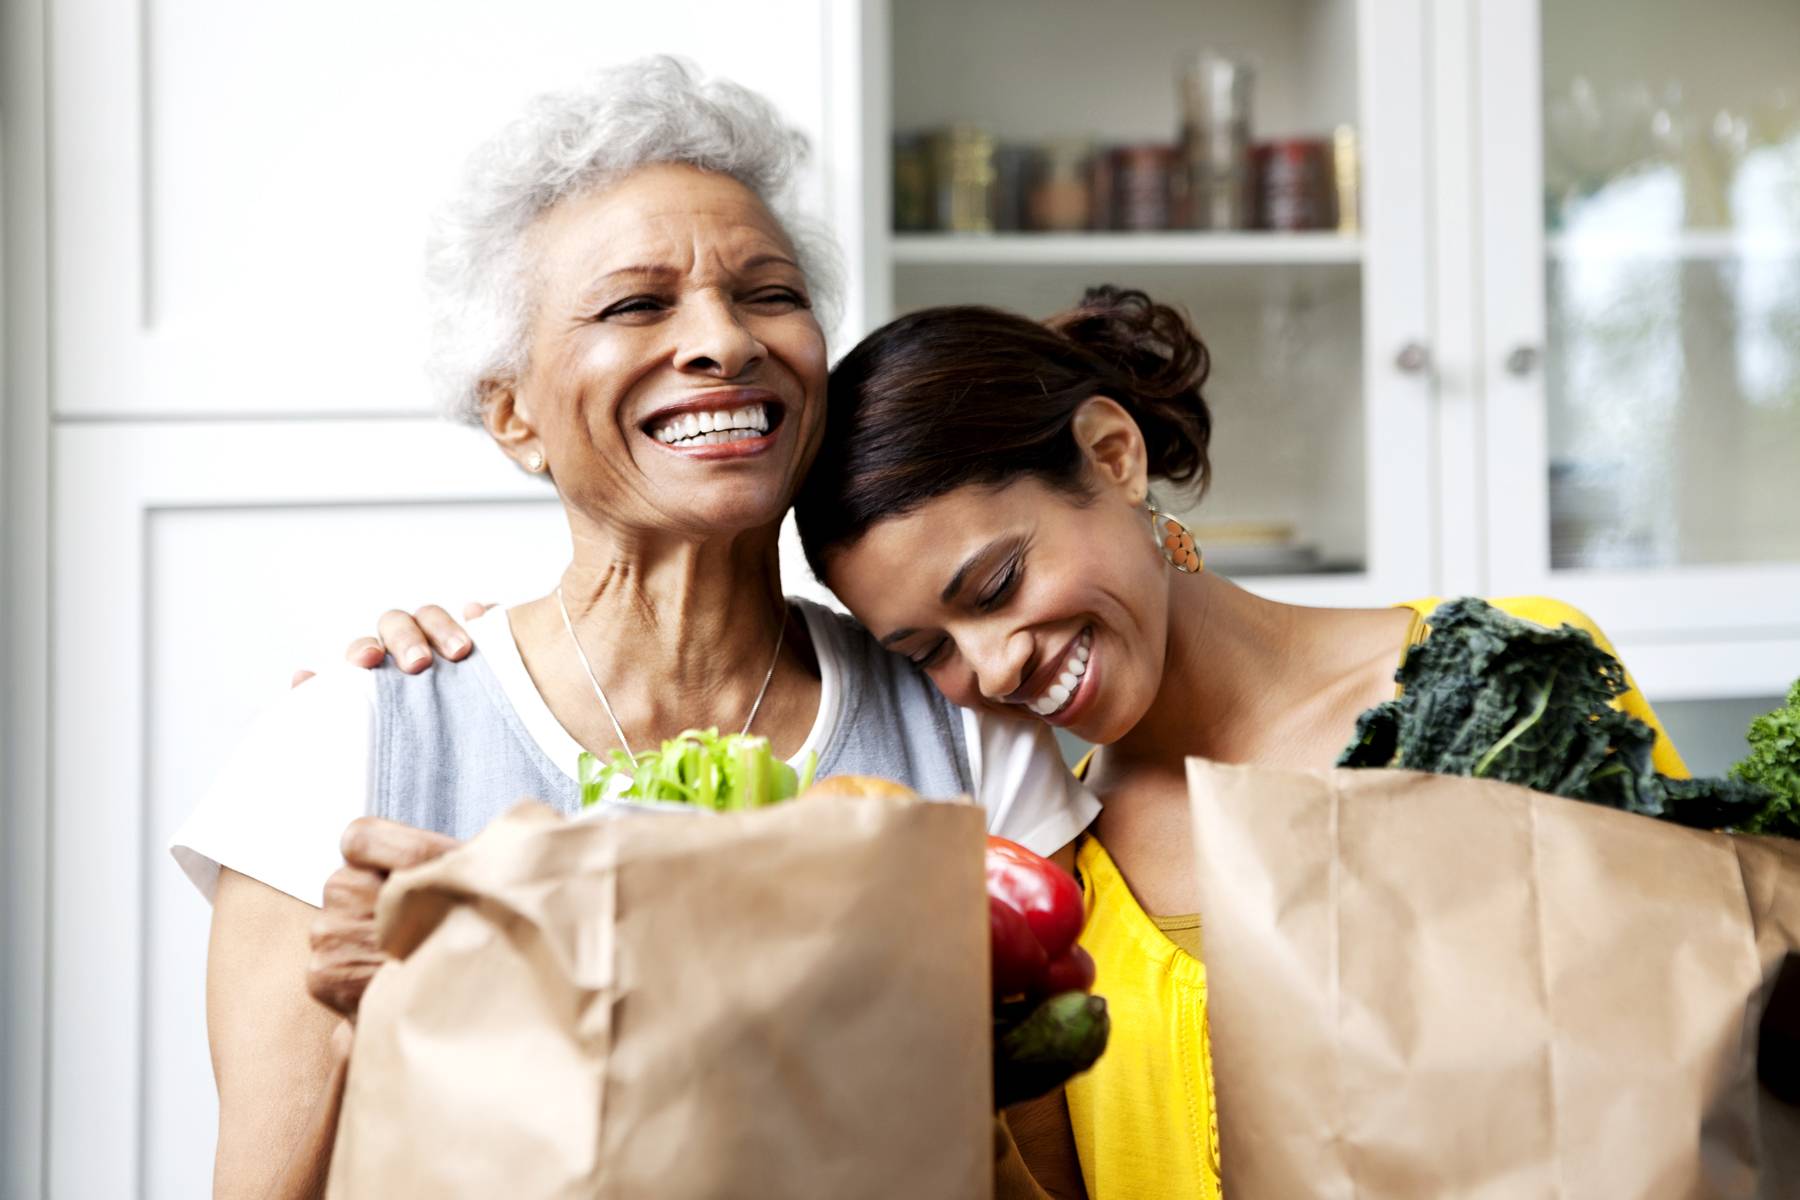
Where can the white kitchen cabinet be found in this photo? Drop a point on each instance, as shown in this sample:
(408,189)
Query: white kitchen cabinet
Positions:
(221,462)
(1640,234)
(1449,401)
(1318,339)
(217,448)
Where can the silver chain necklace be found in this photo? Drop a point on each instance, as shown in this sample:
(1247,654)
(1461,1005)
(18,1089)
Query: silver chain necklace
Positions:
(619,730)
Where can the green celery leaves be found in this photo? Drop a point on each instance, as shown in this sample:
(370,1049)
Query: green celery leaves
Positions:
(698,767)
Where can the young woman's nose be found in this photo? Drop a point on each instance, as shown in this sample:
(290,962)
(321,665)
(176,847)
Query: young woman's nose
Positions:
(999,661)
(713,340)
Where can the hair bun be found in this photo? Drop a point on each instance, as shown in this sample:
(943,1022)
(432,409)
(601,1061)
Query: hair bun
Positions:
(1160,365)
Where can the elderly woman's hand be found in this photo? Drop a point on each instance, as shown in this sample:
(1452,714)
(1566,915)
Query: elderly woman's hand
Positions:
(345,954)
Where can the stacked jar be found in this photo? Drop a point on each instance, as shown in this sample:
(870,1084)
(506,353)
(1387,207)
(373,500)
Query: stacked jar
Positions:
(1215,181)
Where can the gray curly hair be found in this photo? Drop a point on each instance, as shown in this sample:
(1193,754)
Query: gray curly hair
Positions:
(654,110)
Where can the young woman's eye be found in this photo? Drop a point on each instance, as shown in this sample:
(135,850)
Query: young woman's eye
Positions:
(1003,587)
(932,656)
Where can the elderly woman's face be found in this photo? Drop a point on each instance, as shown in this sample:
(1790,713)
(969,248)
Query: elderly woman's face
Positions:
(676,373)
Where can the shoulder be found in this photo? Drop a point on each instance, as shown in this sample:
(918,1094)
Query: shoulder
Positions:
(333,705)
(1031,795)
(1551,613)
(843,644)
(842,634)
(1547,611)
(285,791)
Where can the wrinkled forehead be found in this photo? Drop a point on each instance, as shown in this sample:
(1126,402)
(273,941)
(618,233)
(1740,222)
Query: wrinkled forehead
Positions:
(666,217)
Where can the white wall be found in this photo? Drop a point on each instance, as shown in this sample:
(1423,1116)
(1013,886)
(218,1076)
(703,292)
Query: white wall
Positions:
(215,215)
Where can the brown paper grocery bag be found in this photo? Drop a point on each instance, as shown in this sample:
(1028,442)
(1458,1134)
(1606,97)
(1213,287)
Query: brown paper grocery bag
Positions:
(1430,986)
(790,1002)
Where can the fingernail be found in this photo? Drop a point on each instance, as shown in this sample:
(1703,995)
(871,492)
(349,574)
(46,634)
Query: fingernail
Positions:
(417,656)
(456,644)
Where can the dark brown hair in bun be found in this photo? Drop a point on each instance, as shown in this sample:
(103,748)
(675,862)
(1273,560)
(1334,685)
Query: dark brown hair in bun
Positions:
(946,397)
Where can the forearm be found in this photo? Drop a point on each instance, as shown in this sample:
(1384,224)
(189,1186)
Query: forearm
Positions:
(1012,1179)
(1044,1147)
(277,1061)
(303,1176)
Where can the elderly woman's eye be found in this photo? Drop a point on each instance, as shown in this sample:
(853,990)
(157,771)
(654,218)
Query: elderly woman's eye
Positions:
(781,297)
(636,304)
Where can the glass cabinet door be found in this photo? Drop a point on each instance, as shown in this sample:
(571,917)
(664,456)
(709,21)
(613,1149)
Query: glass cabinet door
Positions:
(1642,168)
(1257,163)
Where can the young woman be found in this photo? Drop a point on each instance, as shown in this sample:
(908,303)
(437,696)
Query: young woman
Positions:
(981,502)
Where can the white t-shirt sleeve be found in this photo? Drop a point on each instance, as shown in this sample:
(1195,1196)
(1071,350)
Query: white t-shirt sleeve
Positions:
(1030,795)
(277,809)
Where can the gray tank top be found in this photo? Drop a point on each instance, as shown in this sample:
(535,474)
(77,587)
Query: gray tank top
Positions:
(451,752)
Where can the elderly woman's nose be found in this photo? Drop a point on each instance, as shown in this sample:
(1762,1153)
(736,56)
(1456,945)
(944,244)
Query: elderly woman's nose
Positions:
(715,340)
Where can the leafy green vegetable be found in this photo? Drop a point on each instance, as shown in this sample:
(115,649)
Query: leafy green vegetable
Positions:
(1773,765)
(698,767)
(1494,697)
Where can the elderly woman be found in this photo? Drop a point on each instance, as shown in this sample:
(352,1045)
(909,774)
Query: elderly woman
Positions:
(629,308)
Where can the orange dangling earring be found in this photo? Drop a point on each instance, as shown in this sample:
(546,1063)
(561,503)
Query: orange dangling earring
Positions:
(1174,540)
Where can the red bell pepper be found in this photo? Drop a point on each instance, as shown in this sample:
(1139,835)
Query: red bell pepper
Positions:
(1034,915)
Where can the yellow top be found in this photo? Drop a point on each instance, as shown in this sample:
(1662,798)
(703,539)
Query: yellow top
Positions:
(1145,1122)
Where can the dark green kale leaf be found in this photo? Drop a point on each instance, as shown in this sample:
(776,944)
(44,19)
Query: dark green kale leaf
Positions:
(1490,696)
(1773,764)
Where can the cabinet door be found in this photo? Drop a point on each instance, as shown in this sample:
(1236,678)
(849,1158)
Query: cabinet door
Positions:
(243,191)
(196,565)
(1321,382)
(1641,247)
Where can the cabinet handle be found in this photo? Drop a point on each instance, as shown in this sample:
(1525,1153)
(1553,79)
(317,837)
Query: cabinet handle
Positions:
(1522,361)
(1413,358)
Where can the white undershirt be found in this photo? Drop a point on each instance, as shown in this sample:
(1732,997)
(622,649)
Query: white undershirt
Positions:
(280,803)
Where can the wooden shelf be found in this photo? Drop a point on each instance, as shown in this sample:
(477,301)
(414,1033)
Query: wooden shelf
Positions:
(1126,249)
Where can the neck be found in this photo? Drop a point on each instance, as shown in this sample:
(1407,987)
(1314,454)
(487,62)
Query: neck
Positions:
(1231,655)
(698,606)
(680,632)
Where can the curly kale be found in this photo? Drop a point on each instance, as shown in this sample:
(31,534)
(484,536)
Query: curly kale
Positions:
(1773,765)
(1491,696)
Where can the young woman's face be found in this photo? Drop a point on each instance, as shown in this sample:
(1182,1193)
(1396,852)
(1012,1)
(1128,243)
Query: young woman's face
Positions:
(1021,599)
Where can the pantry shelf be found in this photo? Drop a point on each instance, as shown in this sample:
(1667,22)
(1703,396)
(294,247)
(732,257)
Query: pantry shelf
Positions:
(1697,245)
(1126,249)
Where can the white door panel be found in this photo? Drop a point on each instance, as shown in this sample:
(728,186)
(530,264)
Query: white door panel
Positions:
(242,191)
(235,598)
(196,567)
(236,199)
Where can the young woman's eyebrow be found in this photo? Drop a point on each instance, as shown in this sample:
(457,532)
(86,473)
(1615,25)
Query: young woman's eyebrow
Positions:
(971,564)
(969,567)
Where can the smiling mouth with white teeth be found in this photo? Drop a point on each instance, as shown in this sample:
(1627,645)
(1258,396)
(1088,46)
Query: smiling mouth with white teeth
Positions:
(712,428)
(1056,697)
